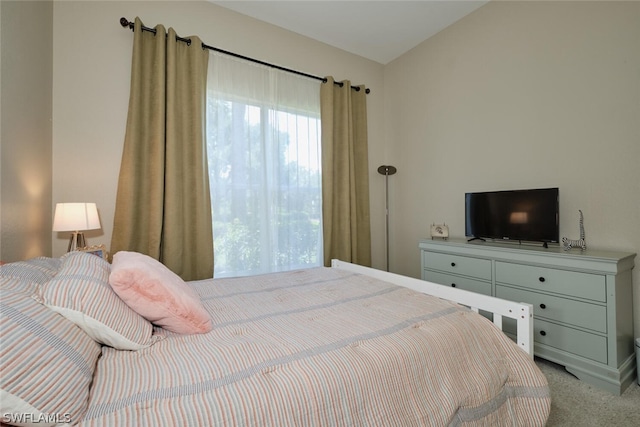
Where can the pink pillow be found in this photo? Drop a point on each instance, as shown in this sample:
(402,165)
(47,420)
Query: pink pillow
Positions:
(158,294)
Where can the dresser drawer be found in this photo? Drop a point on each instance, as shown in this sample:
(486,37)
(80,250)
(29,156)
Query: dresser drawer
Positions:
(565,338)
(577,313)
(459,282)
(572,340)
(467,266)
(582,285)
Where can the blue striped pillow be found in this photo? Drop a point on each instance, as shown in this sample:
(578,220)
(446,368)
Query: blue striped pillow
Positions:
(35,271)
(81,292)
(47,362)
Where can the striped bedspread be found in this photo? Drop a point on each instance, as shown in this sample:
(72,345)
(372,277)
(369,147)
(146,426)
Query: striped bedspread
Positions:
(322,347)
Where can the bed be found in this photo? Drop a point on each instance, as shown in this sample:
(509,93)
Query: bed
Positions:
(339,346)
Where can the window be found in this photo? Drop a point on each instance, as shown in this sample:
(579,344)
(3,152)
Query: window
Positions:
(263,144)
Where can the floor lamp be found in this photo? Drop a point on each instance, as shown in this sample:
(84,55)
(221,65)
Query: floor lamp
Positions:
(386,171)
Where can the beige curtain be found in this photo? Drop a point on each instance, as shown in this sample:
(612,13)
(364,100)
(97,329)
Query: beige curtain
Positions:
(163,204)
(345,174)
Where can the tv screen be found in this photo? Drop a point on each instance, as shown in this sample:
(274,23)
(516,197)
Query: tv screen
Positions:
(525,215)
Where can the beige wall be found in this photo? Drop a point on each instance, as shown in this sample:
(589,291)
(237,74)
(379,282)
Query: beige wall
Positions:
(520,95)
(26,143)
(516,95)
(92,60)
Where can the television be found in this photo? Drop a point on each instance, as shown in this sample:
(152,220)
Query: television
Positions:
(514,215)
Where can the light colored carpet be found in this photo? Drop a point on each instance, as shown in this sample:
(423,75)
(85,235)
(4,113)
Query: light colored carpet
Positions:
(576,403)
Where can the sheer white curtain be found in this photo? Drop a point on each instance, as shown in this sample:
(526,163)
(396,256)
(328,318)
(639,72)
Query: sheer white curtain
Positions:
(263,144)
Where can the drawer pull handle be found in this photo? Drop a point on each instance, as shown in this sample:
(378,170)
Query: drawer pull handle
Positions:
(543,306)
(543,333)
(453,264)
(453,285)
(541,279)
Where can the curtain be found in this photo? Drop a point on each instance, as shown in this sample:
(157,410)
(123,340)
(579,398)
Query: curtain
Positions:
(263,140)
(163,206)
(345,174)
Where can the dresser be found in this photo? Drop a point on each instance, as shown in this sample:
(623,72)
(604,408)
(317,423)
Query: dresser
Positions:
(582,300)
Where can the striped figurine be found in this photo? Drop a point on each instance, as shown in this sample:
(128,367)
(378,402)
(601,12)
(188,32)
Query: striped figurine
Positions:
(581,242)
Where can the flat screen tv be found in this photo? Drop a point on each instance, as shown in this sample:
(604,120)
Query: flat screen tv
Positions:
(522,215)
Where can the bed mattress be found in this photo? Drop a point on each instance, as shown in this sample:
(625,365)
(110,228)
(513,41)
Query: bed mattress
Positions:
(322,347)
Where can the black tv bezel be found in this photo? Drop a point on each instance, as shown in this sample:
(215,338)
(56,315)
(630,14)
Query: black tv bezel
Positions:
(556,238)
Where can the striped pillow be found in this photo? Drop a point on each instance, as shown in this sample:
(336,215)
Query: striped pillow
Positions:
(81,292)
(47,362)
(35,270)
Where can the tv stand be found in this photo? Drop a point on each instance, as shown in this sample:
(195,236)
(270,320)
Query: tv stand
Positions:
(544,244)
(476,238)
(583,303)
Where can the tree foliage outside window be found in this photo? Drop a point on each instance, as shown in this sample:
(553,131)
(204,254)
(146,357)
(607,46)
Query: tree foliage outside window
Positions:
(265,178)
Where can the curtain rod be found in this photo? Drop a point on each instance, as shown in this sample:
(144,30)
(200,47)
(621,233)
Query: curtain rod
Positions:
(126,23)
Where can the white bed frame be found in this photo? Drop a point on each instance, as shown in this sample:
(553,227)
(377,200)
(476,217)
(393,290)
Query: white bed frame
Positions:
(521,312)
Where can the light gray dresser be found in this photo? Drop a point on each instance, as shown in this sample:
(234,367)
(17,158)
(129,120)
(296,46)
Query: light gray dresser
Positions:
(582,300)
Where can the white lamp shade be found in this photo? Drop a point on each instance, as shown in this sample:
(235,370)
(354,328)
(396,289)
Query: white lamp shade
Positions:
(76,217)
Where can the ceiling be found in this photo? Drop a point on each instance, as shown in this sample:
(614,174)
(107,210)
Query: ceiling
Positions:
(377,30)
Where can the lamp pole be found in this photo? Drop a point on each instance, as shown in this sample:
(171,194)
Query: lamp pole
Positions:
(387,170)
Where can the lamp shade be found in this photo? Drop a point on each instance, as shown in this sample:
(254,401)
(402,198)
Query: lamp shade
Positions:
(76,217)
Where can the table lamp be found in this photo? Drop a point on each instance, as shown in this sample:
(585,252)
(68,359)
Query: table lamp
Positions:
(76,217)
